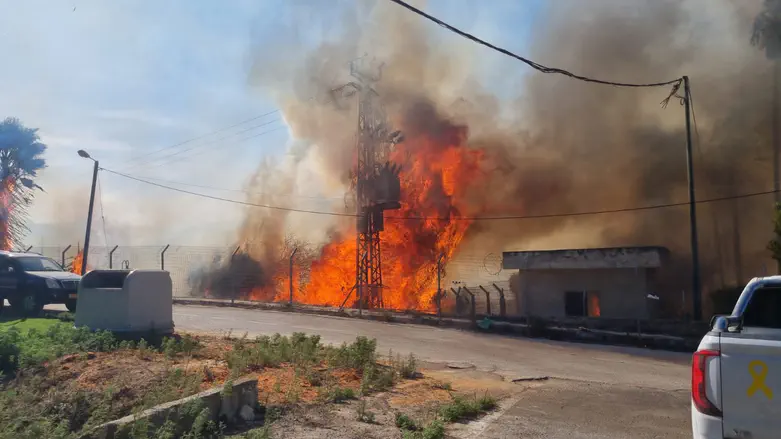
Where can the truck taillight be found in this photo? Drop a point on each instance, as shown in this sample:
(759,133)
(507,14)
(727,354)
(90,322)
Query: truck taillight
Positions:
(700,384)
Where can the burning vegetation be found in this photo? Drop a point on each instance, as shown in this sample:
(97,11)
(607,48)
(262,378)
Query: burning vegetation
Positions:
(77,261)
(553,146)
(20,161)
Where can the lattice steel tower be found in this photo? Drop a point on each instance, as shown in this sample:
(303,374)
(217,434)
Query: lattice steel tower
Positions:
(375,180)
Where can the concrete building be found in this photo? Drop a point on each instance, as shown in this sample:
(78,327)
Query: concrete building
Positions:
(600,282)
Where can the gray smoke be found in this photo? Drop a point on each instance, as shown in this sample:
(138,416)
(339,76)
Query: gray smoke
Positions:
(554,145)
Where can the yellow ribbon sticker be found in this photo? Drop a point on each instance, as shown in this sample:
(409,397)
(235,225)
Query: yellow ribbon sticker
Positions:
(758,371)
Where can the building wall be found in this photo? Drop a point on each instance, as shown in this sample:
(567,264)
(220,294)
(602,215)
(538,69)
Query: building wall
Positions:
(622,291)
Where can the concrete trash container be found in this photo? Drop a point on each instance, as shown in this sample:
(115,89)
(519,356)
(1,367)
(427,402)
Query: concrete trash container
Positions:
(126,301)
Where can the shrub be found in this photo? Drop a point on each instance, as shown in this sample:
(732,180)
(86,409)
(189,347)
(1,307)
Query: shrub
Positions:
(33,348)
(299,350)
(377,378)
(338,394)
(404,422)
(434,430)
(9,350)
(406,368)
(358,355)
(464,408)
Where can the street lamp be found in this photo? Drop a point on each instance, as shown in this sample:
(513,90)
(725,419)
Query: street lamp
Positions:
(85,155)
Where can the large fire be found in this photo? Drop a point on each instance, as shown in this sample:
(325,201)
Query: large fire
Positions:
(437,170)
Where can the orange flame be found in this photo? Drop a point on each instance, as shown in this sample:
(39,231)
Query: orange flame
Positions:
(77,261)
(6,205)
(435,177)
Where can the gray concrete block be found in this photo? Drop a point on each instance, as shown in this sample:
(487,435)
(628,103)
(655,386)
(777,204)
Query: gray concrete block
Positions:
(243,392)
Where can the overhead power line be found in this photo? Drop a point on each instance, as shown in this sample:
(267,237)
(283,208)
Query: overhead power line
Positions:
(228,200)
(214,188)
(530,63)
(476,218)
(203,136)
(235,142)
(201,145)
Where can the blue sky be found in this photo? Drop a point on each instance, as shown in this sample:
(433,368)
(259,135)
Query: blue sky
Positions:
(124,78)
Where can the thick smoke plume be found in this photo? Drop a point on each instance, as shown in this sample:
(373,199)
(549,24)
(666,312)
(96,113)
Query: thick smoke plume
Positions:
(551,144)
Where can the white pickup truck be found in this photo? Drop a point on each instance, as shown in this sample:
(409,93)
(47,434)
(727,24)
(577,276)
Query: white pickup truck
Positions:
(736,371)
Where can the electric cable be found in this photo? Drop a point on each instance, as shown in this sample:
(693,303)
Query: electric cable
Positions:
(236,142)
(201,145)
(477,218)
(160,180)
(530,63)
(102,213)
(192,139)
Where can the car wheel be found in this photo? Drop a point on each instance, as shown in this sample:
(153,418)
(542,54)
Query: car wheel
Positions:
(71,305)
(28,305)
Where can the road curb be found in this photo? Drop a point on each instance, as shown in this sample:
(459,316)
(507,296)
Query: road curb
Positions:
(558,333)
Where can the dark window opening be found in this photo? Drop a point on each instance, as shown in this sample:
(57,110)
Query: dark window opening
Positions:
(764,309)
(574,305)
(582,304)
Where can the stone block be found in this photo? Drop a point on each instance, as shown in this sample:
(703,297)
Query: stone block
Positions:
(221,404)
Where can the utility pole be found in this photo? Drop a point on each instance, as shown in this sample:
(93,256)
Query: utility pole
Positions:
(696,280)
(85,155)
(776,139)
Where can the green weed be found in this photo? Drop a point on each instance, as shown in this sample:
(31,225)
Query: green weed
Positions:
(404,422)
(35,347)
(466,408)
(434,430)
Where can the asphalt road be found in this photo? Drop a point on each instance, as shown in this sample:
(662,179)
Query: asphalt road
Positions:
(508,356)
(595,391)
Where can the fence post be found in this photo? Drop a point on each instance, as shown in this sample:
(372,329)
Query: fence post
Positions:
(63,255)
(487,300)
(162,257)
(290,279)
(473,308)
(502,303)
(111,257)
(233,280)
(439,287)
(458,297)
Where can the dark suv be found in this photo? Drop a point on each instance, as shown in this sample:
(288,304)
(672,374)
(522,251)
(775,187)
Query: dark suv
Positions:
(29,281)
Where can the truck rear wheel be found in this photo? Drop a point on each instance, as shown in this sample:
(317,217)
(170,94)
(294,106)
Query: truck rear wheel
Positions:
(71,305)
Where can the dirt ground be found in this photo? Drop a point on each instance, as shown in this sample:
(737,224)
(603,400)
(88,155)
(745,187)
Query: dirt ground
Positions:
(132,374)
(536,407)
(417,398)
(533,407)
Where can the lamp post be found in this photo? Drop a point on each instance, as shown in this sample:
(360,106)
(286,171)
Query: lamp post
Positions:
(85,155)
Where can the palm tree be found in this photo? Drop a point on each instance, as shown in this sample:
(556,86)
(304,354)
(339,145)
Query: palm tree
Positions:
(20,161)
